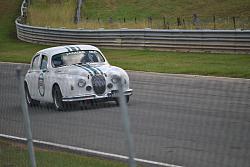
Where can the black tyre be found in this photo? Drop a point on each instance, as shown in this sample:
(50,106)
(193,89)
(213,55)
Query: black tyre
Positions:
(127,98)
(57,98)
(28,98)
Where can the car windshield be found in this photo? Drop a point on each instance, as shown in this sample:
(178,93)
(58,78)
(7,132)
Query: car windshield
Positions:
(79,57)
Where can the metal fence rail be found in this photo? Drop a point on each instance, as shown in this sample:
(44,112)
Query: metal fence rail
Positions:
(232,41)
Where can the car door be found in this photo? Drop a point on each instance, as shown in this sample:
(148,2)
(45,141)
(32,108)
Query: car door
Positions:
(42,77)
(32,73)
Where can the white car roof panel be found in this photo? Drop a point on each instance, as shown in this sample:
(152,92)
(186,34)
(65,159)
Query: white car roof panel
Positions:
(61,49)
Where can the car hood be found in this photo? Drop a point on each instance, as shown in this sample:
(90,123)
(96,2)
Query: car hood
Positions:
(91,70)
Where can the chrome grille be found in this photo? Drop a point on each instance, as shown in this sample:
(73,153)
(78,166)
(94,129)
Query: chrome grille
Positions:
(99,84)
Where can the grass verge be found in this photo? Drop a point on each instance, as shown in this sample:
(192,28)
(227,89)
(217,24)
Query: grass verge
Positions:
(227,65)
(13,154)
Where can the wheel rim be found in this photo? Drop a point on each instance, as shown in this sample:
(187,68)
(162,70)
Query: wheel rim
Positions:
(28,98)
(57,99)
(56,102)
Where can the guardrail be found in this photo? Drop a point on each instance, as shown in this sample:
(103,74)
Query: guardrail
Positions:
(232,41)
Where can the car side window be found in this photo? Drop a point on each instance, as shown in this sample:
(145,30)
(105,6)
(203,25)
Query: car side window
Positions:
(35,63)
(57,61)
(44,62)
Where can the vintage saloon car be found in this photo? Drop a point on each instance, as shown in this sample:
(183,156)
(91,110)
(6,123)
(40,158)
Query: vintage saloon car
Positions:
(73,73)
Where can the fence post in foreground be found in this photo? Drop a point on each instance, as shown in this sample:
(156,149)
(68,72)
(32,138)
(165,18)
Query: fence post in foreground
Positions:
(214,20)
(164,22)
(26,118)
(234,22)
(126,124)
(78,11)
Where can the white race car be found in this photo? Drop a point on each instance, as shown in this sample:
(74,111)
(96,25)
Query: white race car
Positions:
(73,73)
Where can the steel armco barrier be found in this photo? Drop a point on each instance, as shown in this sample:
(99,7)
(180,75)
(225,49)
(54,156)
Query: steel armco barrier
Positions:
(232,41)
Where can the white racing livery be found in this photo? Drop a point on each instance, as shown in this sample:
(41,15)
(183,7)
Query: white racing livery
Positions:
(73,73)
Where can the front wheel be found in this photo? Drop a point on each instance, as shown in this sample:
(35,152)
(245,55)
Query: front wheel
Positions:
(28,98)
(57,98)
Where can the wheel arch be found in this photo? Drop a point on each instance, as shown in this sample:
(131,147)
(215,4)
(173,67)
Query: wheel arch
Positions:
(26,85)
(53,87)
(58,105)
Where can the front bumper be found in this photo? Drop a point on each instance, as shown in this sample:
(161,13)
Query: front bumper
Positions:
(110,95)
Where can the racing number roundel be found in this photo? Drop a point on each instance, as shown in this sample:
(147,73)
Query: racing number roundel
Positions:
(41,85)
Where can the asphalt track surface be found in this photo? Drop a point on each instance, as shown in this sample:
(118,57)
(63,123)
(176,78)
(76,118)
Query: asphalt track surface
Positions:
(183,120)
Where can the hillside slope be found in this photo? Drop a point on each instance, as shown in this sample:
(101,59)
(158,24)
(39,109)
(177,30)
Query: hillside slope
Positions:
(114,13)
(167,8)
(8,12)
(11,48)
(52,13)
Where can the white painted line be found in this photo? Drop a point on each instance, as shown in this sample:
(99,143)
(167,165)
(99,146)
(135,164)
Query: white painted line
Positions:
(89,151)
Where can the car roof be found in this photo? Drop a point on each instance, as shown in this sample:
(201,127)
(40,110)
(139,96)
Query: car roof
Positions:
(67,48)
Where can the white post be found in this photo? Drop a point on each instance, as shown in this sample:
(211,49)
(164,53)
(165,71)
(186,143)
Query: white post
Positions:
(126,124)
(26,118)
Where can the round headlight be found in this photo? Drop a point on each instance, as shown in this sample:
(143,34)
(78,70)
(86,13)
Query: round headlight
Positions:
(81,83)
(115,79)
(110,85)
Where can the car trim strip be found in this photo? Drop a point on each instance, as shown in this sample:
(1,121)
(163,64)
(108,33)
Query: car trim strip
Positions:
(67,49)
(128,92)
(92,68)
(89,71)
(79,98)
(79,49)
(73,49)
(99,70)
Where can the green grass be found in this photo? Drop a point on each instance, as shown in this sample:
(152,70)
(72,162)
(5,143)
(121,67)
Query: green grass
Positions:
(157,9)
(12,49)
(12,154)
(229,65)
(52,13)
(167,8)
(49,13)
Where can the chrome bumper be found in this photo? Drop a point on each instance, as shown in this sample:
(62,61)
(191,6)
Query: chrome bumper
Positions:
(109,95)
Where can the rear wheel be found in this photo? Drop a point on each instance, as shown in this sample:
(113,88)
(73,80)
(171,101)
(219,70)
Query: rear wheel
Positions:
(28,98)
(57,98)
